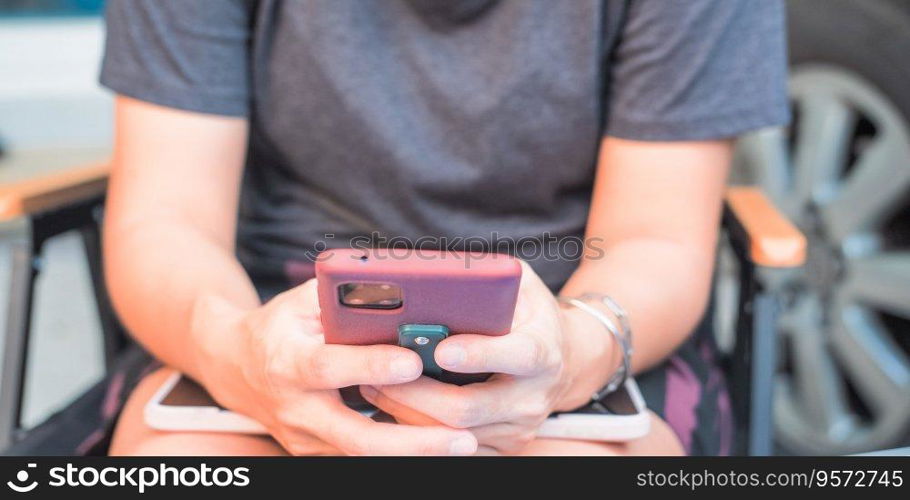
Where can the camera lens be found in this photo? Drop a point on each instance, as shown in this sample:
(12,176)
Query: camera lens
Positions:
(370,295)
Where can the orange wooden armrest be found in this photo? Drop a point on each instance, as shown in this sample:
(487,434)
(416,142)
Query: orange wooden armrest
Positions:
(773,241)
(55,190)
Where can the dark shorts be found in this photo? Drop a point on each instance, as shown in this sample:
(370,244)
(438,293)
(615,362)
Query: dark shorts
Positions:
(689,391)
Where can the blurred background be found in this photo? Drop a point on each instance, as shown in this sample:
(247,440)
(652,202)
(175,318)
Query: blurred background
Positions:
(54,115)
(841,171)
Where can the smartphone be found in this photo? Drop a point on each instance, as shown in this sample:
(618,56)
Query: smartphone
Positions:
(366,296)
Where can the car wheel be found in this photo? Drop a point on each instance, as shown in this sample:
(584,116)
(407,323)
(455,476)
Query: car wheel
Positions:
(841,171)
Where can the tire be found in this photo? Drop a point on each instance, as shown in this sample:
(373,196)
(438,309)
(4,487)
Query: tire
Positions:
(841,171)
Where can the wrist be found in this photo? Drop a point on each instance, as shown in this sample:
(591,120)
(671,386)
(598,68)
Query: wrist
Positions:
(593,357)
(217,339)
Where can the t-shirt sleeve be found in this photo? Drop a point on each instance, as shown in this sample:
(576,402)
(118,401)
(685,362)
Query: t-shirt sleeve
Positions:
(188,55)
(698,69)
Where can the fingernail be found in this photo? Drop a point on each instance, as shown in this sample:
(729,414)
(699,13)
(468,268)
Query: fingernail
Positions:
(463,446)
(405,368)
(451,356)
(368,391)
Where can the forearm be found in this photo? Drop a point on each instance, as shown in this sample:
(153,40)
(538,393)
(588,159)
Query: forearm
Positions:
(651,233)
(163,274)
(662,285)
(169,229)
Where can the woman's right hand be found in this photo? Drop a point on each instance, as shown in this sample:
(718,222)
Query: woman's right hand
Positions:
(272,364)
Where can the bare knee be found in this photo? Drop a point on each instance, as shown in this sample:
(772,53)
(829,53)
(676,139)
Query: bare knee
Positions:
(204,444)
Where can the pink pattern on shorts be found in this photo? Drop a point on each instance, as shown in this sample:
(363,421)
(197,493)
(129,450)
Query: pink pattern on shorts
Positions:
(682,397)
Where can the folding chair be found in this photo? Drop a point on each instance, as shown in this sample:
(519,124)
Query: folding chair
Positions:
(32,211)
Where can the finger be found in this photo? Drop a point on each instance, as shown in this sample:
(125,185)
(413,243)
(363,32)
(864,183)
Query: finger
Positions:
(505,438)
(533,295)
(302,297)
(403,414)
(297,310)
(305,444)
(517,353)
(487,451)
(355,434)
(457,406)
(330,366)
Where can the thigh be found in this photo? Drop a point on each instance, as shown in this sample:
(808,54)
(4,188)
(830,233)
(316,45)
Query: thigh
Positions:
(661,440)
(133,437)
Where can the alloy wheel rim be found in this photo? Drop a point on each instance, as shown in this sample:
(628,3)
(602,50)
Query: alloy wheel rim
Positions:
(842,173)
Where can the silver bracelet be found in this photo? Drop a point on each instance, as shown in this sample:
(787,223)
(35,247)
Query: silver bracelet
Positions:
(622,340)
(626,341)
(617,310)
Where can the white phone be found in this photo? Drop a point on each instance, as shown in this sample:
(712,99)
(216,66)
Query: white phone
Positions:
(622,416)
(183,405)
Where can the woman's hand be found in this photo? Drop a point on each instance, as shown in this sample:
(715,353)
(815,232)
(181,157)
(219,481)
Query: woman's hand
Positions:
(535,366)
(272,364)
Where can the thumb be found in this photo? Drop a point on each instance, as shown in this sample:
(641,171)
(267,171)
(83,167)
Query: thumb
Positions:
(302,298)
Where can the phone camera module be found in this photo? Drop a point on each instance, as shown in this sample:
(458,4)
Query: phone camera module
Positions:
(370,295)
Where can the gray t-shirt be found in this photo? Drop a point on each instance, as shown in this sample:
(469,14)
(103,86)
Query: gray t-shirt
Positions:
(458,119)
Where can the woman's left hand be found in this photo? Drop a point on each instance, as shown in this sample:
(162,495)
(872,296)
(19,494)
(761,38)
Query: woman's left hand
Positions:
(534,366)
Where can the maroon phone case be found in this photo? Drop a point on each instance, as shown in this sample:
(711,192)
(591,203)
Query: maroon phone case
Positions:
(467,292)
